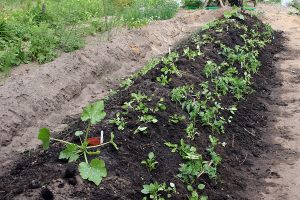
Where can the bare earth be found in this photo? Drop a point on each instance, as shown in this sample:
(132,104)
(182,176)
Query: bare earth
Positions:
(47,96)
(285,165)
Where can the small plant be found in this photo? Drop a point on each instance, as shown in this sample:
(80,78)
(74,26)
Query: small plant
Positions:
(175,119)
(191,131)
(148,119)
(95,170)
(160,106)
(126,83)
(142,108)
(154,190)
(141,129)
(138,97)
(191,54)
(150,162)
(163,80)
(210,68)
(119,121)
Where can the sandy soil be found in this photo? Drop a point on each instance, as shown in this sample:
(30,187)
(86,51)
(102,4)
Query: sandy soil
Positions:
(48,95)
(284,166)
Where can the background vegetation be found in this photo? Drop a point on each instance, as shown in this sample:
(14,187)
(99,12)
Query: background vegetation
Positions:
(39,30)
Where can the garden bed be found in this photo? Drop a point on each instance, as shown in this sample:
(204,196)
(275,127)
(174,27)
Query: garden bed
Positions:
(216,110)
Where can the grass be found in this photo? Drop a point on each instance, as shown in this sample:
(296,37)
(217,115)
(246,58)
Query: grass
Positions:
(40,30)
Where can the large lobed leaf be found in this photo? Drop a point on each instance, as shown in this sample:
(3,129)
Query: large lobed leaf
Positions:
(93,112)
(44,136)
(94,171)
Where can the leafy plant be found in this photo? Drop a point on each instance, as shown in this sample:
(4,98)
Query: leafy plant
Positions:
(234,12)
(119,121)
(163,79)
(139,96)
(160,106)
(150,162)
(148,119)
(175,119)
(142,107)
(141,129)
(154,190)
(191,131)
(191,54)
(95,170)
(210,68)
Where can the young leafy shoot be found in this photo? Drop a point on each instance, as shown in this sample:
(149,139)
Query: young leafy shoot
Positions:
(94,171)
(150,162)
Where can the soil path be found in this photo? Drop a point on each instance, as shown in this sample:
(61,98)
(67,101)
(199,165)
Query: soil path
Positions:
(48,95)
(285,166)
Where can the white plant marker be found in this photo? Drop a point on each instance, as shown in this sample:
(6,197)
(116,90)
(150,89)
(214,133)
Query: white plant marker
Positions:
(101,138)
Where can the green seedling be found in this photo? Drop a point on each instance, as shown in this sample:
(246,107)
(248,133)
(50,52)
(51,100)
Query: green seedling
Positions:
(190,54)
(95,170)
(119,121)
(163,80)
(191,131)
(139,96)
(126,107)
(170,69)
(126,83)
(210,68)
(150,162)
(148,119)
(194,193)
(156,190)
(175,119)
(160,106)
(142,107)
(171,58)
(141,129)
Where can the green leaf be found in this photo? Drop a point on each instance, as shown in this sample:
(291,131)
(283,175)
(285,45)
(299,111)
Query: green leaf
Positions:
(146,189)
(112,138)
(70,153)
(190,188)
(201,186)
(93,153)
(151,155)
(94,171)
(203,198)
(94,112)
(79,133)
(44,136)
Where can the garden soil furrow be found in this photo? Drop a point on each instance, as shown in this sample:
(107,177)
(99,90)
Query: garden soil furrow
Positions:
(40,174)
(277,169)
(54,93)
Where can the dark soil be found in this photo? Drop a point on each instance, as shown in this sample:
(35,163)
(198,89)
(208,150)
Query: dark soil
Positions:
(41,175)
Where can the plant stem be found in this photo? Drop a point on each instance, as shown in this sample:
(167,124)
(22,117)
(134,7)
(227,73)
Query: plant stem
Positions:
(87,131)
(62,141)
(85,158)
(210,163)
(98,145)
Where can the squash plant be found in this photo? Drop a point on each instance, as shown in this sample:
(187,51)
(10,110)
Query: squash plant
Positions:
(95,170)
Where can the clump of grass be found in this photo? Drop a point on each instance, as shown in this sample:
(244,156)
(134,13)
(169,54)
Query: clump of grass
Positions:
(142,12)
